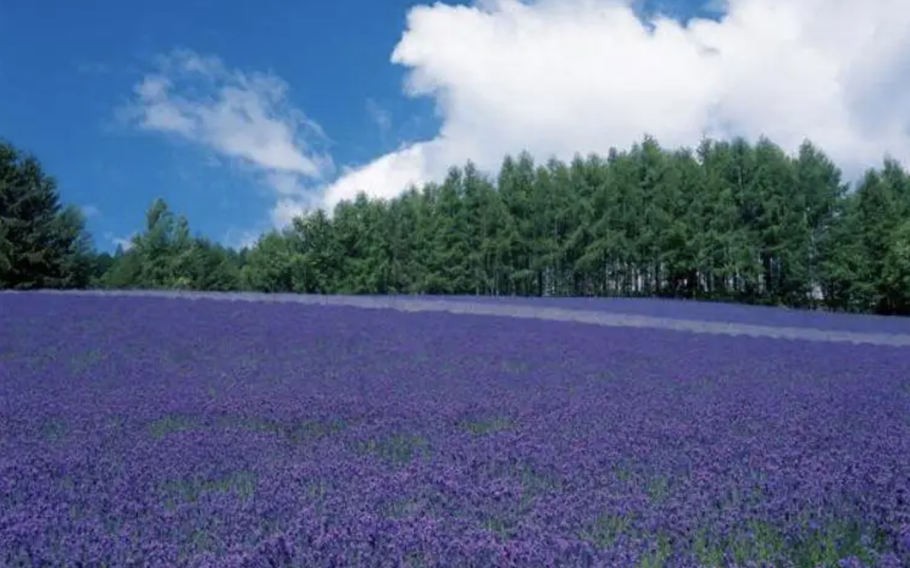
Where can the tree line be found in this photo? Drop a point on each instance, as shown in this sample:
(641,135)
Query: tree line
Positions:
(728,221)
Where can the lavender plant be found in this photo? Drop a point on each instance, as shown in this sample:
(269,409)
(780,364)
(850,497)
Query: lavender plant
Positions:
(167,432)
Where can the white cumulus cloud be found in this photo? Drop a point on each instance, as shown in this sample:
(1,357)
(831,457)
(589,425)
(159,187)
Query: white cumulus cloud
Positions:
(244,117)
(557,77)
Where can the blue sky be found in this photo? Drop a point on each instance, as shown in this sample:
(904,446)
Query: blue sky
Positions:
(241,114)
(64,83)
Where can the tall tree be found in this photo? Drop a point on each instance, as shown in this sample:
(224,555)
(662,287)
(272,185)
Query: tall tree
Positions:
(273,264)
(818,180)
(42,243)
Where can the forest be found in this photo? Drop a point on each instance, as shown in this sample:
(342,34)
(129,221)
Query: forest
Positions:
(733,221)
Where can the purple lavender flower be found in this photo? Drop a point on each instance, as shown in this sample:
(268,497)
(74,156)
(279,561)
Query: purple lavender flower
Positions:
(164,432)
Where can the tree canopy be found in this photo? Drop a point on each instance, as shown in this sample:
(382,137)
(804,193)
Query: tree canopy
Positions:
(729,221)
(43,244)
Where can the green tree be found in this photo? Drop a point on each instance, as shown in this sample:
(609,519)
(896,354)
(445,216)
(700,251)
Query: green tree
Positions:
(896,270)
(210,266)
(43,244)
(272,265)
(729,220)
(125,270)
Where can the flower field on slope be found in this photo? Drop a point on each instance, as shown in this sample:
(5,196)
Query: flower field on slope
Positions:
(162,432)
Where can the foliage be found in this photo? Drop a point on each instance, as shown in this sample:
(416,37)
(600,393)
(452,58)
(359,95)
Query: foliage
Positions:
(42,243)
(726,221)
(730,221)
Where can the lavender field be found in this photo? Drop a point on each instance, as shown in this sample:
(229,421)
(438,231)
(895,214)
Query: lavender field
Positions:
(152,431)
